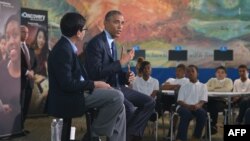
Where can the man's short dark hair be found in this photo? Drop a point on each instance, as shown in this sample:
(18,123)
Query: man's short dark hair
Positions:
(221,68)
(143,65)
(242,66)
(181,66)
(71,23)
(112,13)
(193,66)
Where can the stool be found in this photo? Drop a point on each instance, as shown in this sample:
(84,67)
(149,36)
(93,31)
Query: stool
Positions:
(90,115)
(66,129)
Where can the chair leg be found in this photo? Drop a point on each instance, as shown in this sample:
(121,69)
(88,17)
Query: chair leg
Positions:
(89,121)
(66,129)
(172,126)
(163,123)
(156,127)
(208,132)
(226,117)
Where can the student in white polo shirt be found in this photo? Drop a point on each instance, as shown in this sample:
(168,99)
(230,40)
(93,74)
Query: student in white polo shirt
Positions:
(146,84)
(173,84)
(242,85)
(191,99)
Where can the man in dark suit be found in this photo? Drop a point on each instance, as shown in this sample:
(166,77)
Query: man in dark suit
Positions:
(28,64)
(71,92)
(102,64)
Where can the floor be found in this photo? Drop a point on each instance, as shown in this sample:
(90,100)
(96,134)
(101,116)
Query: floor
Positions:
(39,128)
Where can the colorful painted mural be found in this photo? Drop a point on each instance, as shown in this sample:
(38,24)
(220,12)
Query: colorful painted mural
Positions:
(199,26)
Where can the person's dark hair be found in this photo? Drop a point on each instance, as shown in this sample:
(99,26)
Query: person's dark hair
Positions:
(143,65)
(140,59)
(242,66)
(45,50)
(193,66)
(181,66)
(112,13)
(71,23)
(221,68)
(14,17)
(1,37)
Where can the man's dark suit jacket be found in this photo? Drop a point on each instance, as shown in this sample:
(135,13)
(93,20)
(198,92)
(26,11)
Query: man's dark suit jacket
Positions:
(99,62)
(24,67)
(66,91)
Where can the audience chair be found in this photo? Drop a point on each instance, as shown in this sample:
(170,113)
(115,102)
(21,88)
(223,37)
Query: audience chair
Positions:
(154,125)
(172,116)
(207,128)
(66,129)
(90,115)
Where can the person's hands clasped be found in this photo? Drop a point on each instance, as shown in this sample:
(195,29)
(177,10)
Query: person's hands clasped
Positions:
(126,57)
(30,74)
(195,106)
(177,87)
(101,84)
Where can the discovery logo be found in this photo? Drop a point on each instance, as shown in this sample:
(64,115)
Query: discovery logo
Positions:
(33,17)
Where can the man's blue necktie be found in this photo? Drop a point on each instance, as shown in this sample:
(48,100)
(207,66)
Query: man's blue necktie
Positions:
(113,48)
(114,55)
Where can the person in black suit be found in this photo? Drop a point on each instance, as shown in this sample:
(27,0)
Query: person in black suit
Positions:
(71,92)
(28,64)
(102,64)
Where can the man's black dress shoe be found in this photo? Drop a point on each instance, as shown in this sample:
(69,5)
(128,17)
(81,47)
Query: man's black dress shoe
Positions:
(134,138)
(87,138)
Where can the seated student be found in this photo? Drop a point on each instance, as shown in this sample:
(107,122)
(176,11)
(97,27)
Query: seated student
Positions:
(137,67)
(191,98)
(146,84)
(216,104)
(173,84)
(242,85)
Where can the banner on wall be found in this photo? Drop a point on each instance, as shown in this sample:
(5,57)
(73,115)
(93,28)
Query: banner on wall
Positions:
(10,107)
(37,23)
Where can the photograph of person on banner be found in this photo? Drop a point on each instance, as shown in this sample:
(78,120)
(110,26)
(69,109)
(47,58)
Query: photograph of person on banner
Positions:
(40,46)
(3,50)
(10,73)
(37,41)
